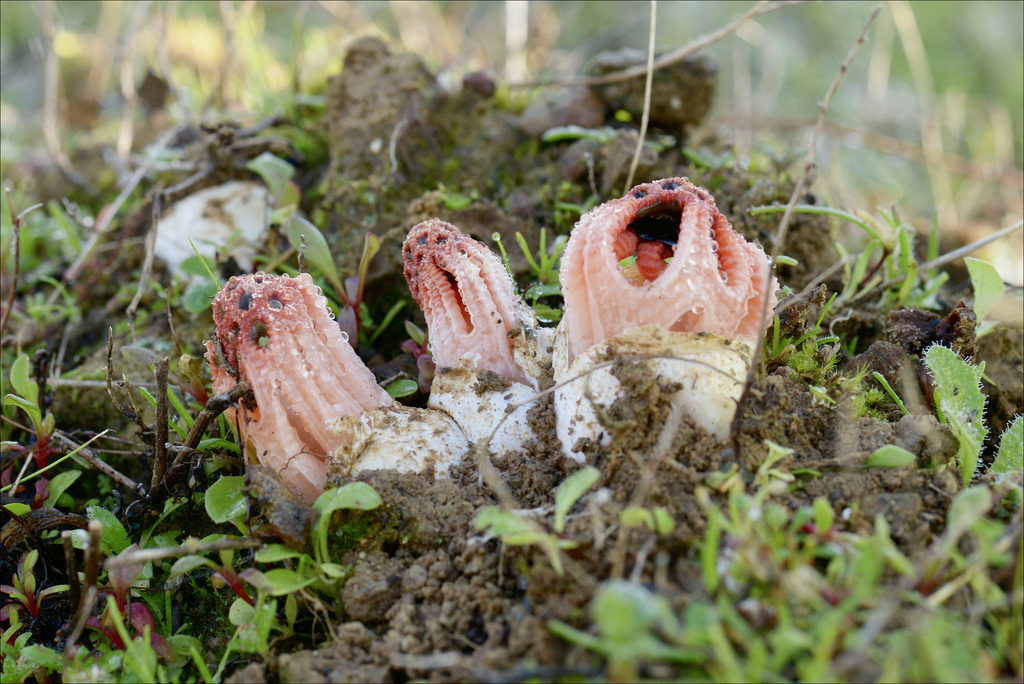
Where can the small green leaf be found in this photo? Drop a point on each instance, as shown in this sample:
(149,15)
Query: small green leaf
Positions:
(40,656)
(194,265)
(60,483)
(18,508)
(371,245)
(114,539)
(1010,457)
(274,553)
(225,499)
(30,408)
(198,296)
(187,564)
(634,516)
(824,516)
(284,581)
(664,523)
(570,491)
(890,456)
(357,495)
(274,171)
(415,334)
(241,612)
(501,523)
(960,403)
(21,379)
(987,284)
(333,570)
(403,387)
(967,508)
(318,253)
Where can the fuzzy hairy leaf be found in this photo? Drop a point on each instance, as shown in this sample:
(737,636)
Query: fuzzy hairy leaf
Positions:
(960,403)
(1010,457)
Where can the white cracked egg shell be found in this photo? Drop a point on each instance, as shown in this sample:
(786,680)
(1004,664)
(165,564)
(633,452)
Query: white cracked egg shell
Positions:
(233,217)
(659,272)
(490,354)
(400,438)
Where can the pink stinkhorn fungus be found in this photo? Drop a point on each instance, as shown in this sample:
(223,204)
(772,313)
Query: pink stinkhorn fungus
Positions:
(477,326)
(714,282)
(276,333)
(467,297)
(694,320)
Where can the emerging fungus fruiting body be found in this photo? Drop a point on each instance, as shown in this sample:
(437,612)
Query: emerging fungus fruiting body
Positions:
(692,297)
(277,334)
(488,350)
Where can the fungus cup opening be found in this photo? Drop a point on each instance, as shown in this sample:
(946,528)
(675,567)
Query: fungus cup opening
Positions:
(692,273)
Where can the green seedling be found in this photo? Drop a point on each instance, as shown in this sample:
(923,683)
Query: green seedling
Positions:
(988,291)
(454,201)
(890,456)
(23,590)
(959,403)
(634,626)
(225,501)
(813,355)
(543,269)
(569,492)
(26,397)
(656,519)
(1010,457)
(516,530)
(887,257)
(350,292)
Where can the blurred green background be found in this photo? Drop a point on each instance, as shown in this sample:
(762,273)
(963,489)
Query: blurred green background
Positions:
(929,117)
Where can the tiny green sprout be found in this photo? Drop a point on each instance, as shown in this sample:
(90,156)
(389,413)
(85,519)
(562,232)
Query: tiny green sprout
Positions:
(516,530)
(1010,457)
(656,519)
(988,290)
(890,456)
(496,236)
(784,260)
(225,501)
(545,267)
(403,387)
(569,492)
(890,391)
(959,403)
(573,132)
(353,496)
(274,171)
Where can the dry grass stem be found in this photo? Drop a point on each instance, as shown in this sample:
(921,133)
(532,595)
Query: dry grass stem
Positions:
(648,82)
(677,55)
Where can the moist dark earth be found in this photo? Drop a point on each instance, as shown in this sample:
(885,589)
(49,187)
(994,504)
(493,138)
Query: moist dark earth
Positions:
(429,595)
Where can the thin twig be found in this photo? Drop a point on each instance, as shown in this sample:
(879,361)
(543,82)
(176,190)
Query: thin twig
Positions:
(810,169)
(71,570)
(160,441)
(648,83)
(131,97)
(147,263)
(104,218)
(49,24)
(948,257)
(215,406)
(16,220)
(92,571)
(680,54)
(192,546)
(96,462)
